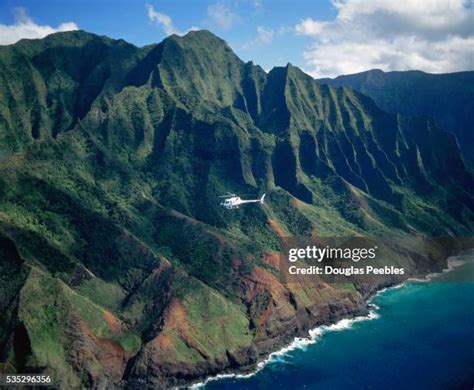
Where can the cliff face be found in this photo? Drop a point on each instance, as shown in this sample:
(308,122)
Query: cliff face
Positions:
(447,98)
(119,263)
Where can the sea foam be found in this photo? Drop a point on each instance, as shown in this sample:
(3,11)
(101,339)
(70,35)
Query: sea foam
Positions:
(299,343)
(314,335)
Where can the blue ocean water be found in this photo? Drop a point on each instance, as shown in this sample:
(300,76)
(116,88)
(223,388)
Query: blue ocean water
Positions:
(423,338)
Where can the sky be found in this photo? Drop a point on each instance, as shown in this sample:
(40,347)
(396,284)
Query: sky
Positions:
(325,38)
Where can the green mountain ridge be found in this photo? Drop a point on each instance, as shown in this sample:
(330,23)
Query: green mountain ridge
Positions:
(447,98)
(119,267)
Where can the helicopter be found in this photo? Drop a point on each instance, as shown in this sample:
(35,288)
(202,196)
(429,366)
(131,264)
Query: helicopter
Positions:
(233,201)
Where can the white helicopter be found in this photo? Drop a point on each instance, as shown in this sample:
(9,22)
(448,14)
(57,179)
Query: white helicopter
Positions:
(232,201)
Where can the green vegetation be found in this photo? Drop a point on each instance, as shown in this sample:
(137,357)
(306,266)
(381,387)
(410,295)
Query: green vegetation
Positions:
(447,98)
(115,256)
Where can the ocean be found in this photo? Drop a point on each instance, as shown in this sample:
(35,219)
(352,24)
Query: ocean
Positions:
(419,335)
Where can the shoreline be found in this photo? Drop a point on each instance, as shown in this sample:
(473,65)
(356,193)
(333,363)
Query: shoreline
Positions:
(315,334)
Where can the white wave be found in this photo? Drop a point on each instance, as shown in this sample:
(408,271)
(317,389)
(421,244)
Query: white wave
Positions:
(301,343)
(453,263)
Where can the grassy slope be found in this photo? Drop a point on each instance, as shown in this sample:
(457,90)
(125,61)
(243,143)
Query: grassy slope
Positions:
(109,195)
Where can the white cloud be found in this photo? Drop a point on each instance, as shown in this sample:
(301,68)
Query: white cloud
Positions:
(310,27)
(25,27)
(264,36)
(164,21)
(431,35)
(222,15)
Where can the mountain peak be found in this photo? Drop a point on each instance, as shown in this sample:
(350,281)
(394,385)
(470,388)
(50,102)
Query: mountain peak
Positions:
(112,158)
(202,34)
(197,37)
(200,64)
